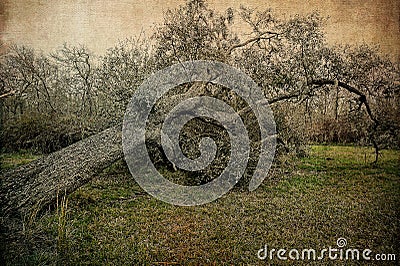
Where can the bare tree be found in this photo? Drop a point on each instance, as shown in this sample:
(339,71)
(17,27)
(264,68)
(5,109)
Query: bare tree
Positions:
(78,74)
(120,72)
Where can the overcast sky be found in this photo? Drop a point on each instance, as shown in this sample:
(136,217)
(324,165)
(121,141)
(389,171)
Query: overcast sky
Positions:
(99,24)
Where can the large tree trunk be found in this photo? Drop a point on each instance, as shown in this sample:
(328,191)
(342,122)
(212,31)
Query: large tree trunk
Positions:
(26,190)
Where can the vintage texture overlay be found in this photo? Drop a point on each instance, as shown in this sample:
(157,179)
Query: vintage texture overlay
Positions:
(99,24)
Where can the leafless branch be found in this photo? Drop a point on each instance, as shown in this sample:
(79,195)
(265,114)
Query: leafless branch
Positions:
(252,40)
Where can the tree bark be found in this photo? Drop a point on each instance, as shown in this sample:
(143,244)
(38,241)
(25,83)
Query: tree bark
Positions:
(28,189)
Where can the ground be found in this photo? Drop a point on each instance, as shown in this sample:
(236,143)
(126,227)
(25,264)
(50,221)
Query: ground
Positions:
(310,202)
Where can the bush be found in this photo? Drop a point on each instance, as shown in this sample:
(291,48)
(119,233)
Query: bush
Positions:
(43,133)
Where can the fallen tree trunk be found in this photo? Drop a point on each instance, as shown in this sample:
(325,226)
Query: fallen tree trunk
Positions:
(28,189)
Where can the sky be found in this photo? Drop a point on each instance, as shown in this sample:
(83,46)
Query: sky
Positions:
(100,24)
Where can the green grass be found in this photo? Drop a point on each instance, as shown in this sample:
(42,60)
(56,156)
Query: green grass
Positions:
(10,160)
(334,192)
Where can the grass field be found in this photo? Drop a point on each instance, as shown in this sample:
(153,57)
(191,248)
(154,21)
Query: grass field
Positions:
(334,192)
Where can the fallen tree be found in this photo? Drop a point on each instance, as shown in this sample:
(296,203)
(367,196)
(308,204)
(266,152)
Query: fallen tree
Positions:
(28,189)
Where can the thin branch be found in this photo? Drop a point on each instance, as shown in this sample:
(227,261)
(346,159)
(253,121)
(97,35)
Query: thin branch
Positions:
(255,39)
(7,94)
(284,97)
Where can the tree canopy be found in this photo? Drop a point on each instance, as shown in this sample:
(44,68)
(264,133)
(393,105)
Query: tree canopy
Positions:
(334,93)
